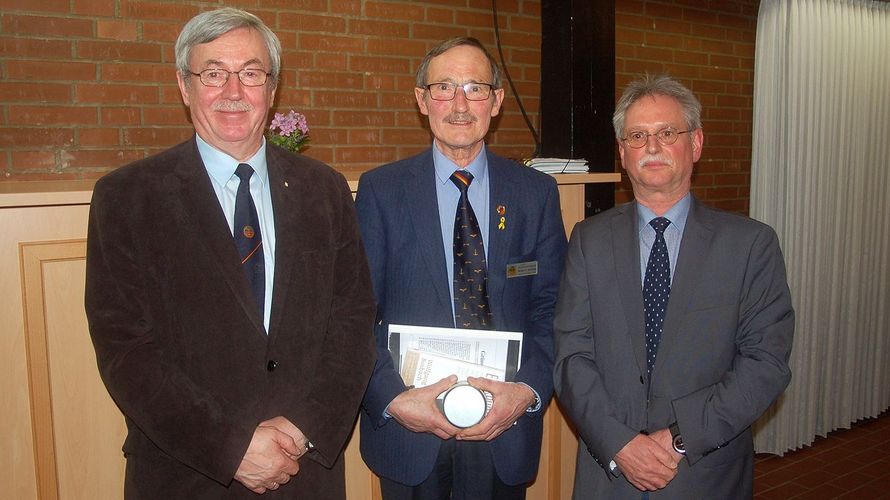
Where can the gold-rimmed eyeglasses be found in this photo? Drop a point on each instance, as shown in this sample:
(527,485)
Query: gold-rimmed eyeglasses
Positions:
(217,77)
(666,136)
(445,91)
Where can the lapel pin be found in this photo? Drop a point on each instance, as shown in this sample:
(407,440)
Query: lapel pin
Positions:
(286,184)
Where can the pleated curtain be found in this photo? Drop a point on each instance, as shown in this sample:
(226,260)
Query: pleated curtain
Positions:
(820,176)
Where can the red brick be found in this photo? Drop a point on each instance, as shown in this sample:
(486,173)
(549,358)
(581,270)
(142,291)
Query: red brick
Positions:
(98,137)
(44,49)
(396,47)
(333,99)
(363,118)
(401,10)
(308,22)
(47,26)
(724,61)
(118,30)
(405,136)
(530,8)
(313,5)
(116,51)
(101,158)
(35,137)
(41,6)
(332,62)
(90,7)
(120,116)
(368,137)
(160,137)
(327,43)
(49,70)
(324,79)
(139,72)
(526,24)
(115,94)
(379,64)
(380,82)
(436,32)
(378,28)
(436,15)
(34,160)
(353,7)
(160,32)
(363,154)
(322,135)
(503,5)
(52,115)
(176,116)
(477,19)
(397,100)
(34,92)
(154,11)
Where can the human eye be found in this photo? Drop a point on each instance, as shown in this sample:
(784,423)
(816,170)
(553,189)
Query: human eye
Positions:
(636,136)
(667,134)
(213,74)
(443,86)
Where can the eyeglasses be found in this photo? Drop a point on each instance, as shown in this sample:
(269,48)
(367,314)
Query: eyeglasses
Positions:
(665,137)
(217,77)
(445,91)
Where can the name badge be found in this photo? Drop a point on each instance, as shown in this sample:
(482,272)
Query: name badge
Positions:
(520,269)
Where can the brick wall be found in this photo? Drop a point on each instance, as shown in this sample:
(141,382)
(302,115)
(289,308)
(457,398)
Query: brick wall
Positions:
(709,46)
(88,85)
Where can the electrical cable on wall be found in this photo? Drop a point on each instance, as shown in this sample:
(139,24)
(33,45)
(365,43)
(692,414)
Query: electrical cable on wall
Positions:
(497,38)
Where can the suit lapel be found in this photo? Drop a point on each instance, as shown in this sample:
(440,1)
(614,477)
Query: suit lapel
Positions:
(287,193)
(626,251)
(501,193)
(696,240)
(201,207)
(422,210)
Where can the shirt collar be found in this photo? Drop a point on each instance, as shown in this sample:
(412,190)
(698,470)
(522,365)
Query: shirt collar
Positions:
(677,214)
(221,167)
(445,167)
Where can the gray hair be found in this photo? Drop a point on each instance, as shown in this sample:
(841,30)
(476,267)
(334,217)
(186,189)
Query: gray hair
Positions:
(451,43)
(663,85)
(208,26)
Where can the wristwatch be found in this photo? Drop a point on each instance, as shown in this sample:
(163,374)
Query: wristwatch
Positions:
(677,439)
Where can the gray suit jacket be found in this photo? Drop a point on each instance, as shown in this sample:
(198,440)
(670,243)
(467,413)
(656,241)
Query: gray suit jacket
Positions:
(722,360)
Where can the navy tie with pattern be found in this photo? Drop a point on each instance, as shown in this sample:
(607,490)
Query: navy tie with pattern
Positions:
(248,237)
(470,275)
(656,290)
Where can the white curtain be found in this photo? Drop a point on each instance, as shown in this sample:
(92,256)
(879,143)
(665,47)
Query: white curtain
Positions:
(820,176)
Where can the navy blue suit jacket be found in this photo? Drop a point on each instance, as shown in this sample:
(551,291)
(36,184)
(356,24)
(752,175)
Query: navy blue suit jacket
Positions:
(399,221)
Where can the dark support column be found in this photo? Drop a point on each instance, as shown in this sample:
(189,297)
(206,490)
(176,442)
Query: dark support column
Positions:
(578,88)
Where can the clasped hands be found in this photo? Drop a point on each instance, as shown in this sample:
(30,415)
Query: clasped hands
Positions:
(272,456)
(649,462)
(416,409)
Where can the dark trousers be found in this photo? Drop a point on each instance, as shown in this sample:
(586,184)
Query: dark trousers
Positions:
(463,471)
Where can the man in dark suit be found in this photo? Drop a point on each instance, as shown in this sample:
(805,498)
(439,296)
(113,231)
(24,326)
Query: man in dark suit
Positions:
(228,295)
(674,323)
(407,213)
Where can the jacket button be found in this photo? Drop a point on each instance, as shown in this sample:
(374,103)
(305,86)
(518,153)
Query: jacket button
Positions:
(271,365)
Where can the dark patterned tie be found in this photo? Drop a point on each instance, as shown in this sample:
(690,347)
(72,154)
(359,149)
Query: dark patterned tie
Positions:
(248,237)
(656,290)
(470,276)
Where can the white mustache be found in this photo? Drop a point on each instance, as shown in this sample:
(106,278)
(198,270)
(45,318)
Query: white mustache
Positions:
(232,106)
(460,117)
(655,158)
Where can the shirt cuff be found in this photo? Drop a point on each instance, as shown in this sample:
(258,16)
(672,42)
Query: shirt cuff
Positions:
(536,406)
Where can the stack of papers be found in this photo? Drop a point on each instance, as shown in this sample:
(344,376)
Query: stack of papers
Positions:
(558,165)
(424,355)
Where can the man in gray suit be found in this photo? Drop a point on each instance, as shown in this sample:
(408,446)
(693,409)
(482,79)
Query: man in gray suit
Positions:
(674,323)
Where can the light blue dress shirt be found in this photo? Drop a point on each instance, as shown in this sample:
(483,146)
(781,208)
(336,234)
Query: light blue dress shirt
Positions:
(448,195)
(221,168)
(673,234)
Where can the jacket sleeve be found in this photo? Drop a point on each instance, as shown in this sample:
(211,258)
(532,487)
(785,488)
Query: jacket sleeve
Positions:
(712,416)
